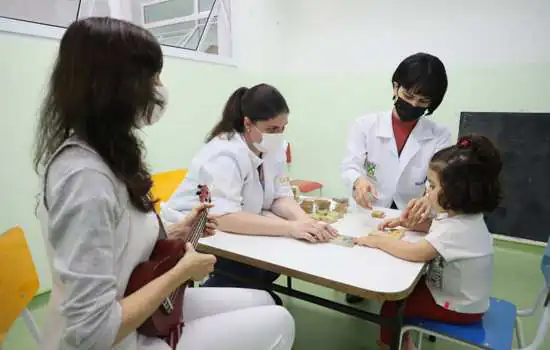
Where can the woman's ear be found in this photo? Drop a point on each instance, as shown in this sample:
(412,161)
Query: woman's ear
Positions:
(247,124)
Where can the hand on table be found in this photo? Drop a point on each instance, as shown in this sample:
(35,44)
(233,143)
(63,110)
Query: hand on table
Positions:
(391,223)
(363,189)
(183,228)
(312,231)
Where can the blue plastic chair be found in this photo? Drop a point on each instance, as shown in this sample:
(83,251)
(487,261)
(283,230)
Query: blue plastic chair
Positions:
(496,329)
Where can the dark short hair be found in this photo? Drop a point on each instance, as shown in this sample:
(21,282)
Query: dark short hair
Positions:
(259,103)
(469,174)
(101,87)
(423,74)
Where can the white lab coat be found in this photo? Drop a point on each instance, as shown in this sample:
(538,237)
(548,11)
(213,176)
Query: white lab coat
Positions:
(230,169)
(372,153)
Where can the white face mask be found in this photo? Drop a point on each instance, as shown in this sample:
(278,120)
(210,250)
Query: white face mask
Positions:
(270,142)
(158,111)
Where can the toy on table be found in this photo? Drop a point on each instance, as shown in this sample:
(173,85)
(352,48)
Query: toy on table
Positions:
(344,241)
(379,214)
(323,204)
(342,205)
(391,232)
(308,205)
(327,216)
(325,209)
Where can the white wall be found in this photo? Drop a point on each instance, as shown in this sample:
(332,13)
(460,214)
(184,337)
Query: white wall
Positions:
(351,35)
(256,34)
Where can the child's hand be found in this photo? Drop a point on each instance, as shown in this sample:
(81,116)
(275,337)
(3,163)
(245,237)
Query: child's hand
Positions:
(417,211)
(367,241)
(391,223)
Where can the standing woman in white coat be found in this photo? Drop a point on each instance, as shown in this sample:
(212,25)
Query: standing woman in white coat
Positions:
(243,162)
(388,153)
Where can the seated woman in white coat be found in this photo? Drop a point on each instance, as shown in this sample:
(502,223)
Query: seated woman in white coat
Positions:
(243,163)
(388,153)
(98,216)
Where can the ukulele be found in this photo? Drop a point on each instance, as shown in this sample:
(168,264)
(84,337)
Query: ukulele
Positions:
(166,320)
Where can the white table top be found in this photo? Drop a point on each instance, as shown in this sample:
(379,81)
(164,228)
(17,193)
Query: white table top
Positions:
(360,270)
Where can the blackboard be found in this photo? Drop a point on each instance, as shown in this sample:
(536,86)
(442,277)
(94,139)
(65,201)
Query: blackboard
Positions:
(524,142)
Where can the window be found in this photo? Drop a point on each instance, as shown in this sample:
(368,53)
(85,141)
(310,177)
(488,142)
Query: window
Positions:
(196,29)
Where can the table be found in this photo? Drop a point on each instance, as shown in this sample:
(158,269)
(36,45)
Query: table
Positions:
(361,271)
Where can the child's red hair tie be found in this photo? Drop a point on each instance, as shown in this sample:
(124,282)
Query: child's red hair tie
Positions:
(464,143)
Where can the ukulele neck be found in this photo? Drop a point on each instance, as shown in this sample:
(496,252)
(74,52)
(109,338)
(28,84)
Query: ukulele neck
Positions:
(199,227)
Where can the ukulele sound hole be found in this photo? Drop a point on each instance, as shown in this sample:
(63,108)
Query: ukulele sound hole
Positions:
(167,307)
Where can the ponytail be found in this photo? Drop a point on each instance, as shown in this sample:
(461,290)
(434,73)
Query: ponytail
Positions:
(259,103)
(232,116)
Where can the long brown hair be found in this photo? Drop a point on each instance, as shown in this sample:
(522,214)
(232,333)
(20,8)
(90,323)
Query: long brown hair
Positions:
(101,88)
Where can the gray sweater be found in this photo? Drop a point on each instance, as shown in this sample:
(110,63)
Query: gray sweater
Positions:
(94,239)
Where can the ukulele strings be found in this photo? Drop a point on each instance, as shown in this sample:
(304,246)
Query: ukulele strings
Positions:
(199,229)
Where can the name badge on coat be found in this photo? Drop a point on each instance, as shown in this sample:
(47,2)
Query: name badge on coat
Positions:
(370,167)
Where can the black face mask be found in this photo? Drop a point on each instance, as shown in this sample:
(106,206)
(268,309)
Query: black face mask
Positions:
(408,112)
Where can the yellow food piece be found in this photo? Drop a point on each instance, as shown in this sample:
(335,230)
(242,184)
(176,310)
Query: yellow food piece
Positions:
(394,233)
(326,216)
(378,214)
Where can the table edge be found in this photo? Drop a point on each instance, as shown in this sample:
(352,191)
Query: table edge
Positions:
(342,287)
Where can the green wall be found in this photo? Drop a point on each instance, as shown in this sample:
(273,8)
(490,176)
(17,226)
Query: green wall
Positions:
(197,92)
(322,110)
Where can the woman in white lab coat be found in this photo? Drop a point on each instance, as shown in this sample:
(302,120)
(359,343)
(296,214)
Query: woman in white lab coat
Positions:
(388,153)
(243,163)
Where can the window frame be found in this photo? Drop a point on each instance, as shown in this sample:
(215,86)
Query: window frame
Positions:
(34,29)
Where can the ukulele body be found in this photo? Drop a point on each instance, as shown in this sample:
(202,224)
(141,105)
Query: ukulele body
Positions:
(165,255)
(166,321)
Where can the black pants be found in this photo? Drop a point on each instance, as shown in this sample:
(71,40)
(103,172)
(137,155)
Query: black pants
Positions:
(241,270)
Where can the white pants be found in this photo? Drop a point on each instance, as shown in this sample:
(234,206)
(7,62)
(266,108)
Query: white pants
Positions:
(234,319)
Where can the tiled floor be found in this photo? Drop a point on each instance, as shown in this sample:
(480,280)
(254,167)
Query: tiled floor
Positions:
(517,278)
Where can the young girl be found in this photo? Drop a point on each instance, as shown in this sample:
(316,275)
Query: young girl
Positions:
(463,184)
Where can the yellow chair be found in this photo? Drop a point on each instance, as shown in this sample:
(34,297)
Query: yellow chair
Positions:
(165,183)
(18,282)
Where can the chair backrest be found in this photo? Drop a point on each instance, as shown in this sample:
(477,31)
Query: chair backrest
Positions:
(165,183)
(545,264)
(18,277)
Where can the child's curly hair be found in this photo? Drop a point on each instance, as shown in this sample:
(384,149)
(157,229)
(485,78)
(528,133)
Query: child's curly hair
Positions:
(469,175)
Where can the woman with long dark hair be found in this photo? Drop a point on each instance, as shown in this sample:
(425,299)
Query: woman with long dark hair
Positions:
(98,217)
(244,162)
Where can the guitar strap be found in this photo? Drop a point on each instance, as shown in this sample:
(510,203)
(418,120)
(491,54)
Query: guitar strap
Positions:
(162,229)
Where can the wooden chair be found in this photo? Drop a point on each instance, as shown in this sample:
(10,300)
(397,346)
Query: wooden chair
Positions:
(165,183)
(18,282)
